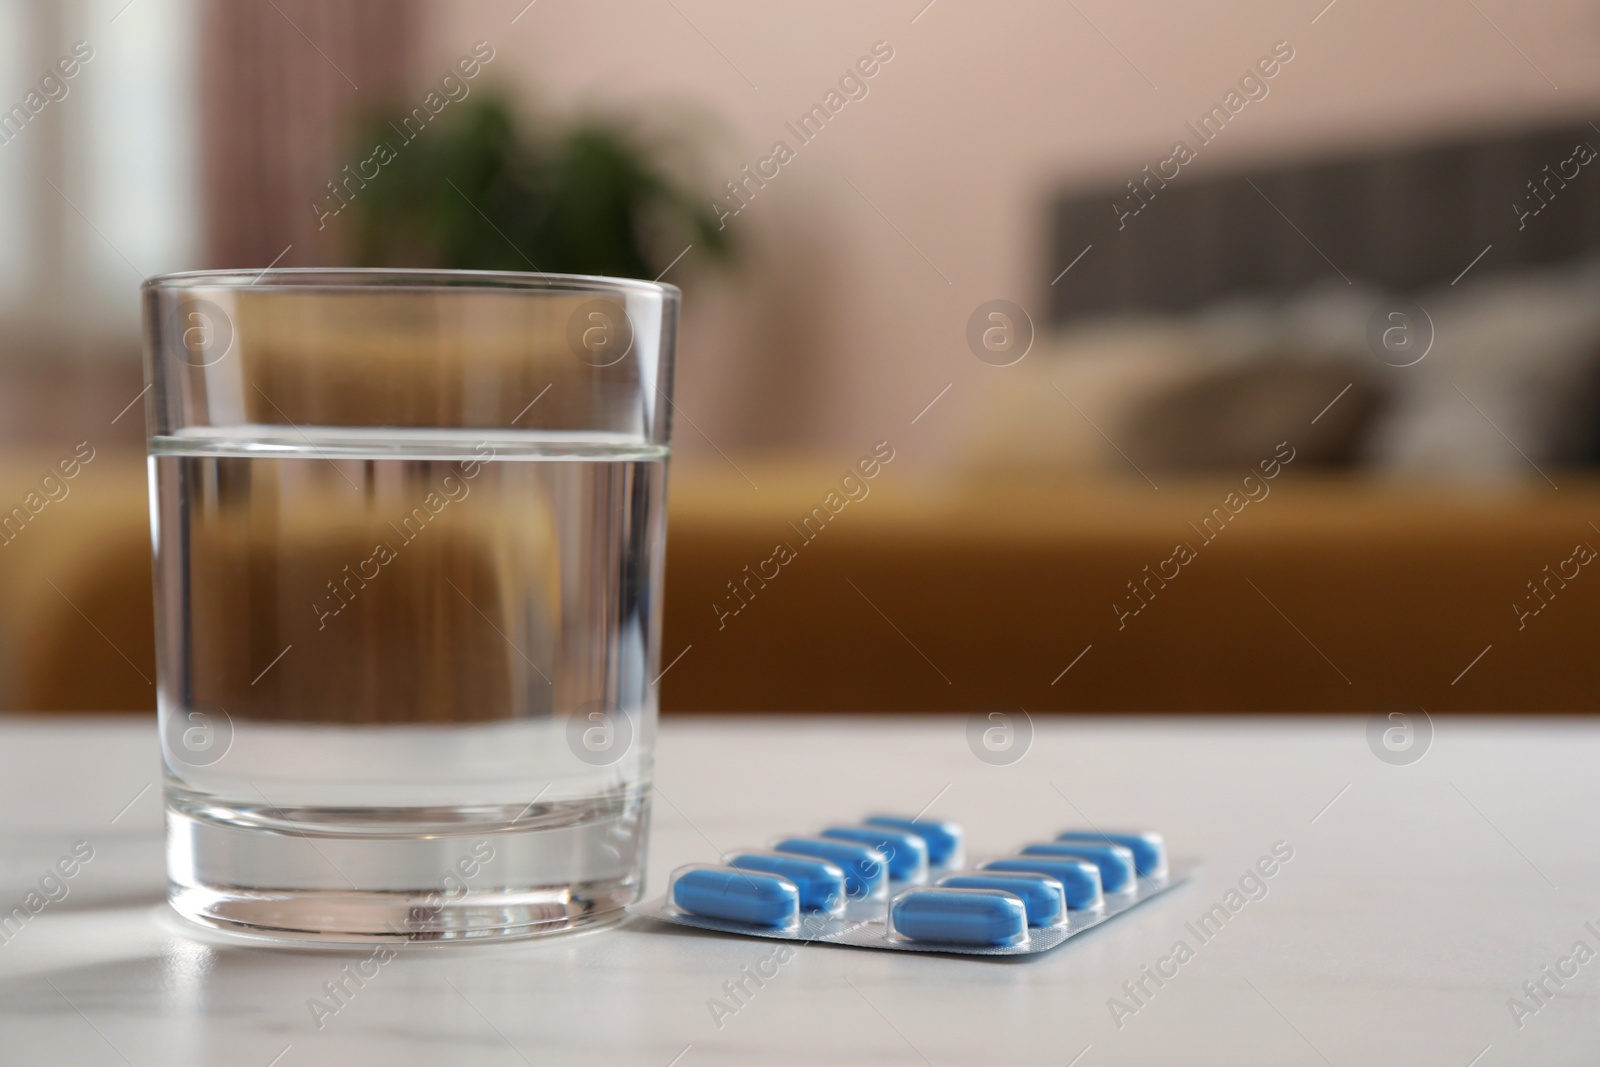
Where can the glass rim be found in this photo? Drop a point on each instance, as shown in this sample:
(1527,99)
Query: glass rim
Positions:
(422,279)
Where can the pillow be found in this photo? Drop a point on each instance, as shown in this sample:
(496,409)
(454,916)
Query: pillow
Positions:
(1514,356)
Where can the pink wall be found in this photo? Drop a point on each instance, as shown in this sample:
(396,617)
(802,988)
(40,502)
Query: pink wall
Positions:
(835,330)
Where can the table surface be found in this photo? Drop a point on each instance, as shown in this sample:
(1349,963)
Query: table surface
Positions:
(1418,902)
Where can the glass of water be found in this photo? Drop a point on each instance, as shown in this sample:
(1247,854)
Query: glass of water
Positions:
(408,532)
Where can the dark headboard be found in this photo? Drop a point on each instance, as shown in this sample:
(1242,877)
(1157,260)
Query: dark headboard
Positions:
(1402,218)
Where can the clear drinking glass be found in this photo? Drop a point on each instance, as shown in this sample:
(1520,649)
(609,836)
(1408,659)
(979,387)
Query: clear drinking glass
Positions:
(408,532)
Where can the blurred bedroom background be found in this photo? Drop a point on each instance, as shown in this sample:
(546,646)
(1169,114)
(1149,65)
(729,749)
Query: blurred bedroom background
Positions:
(1239,356)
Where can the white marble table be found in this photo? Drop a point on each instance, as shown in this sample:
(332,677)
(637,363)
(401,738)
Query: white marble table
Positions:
(1418,901)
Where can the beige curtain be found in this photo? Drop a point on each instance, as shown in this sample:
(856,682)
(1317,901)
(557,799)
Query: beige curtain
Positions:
(283,84)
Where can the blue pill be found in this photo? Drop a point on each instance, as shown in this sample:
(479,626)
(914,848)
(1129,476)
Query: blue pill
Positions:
(961,916)
(1149,850)
(738,896)
(1114,861)
(821,883)
(943,838)
(1080,878)
(1041,895)
(907,852)
(864,867)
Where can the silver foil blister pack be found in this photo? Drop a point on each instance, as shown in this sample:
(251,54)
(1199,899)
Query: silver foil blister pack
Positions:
(903,885)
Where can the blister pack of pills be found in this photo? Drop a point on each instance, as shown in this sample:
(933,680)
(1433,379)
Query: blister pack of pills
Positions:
(902,884)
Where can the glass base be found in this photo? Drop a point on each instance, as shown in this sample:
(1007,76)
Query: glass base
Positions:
(410,875)
(377,917)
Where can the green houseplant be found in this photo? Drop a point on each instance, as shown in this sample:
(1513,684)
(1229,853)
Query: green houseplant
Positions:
(477,190)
